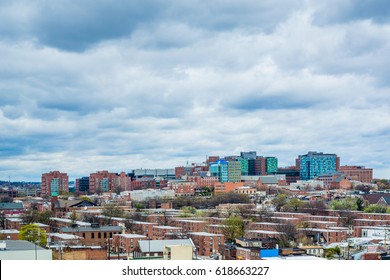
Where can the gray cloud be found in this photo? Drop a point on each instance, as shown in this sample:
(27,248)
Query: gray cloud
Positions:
(160,84)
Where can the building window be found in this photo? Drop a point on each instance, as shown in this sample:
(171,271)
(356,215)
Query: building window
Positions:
(99,235)
(83,234)
(92,235)
(105,235)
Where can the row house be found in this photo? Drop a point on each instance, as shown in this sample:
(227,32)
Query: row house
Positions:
(9,234)
(13,223)
(330,219)
(166,232)
(143,228)
(191,225)
(370,222)
(262,234)
(94,235)
(215,228)
(215,220)
(329,235)
(207,244)
(264,226)
(126,243)
(373,216)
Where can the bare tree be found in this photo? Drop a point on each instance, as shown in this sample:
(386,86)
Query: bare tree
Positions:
(288,233)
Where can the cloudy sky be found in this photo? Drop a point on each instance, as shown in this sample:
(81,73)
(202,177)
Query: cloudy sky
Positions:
(117,85)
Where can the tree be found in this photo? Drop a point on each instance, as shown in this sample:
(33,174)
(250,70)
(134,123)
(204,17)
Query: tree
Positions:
(232,228)
(34,234)
(279,201)
(376,208)
(187,211)
(118,190)
(110,211)
(331,252)
(2,220)
(288,233)
(294,204)
(86,198)
(351,204)
(73,216)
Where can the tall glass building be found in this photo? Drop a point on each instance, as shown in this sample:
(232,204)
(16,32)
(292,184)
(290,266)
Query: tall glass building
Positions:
(314,164)
(271,165)
(220,169)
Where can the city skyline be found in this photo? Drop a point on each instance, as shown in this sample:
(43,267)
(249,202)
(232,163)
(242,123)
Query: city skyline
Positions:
(153,84)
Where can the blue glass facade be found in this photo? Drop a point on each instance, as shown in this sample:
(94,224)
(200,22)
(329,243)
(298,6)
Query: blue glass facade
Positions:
(314,164)
(220,169)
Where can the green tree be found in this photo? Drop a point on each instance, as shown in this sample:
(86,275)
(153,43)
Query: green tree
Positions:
(279,201)
(34,234)
(86,198)
(376,208)
(232,228)
(294,204)
(332,252)
(73,216)
(351,204)
(187,211)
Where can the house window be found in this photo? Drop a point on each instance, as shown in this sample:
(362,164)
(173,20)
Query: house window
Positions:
(99,235)
(83,234)
(105,235)
(92,235)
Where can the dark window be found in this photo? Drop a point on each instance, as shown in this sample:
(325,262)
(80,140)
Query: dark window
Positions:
(110,234)
(99,235)
(105,235)
(83,234)
(92,235)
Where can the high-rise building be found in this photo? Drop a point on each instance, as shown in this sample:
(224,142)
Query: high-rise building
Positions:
(244,166)
(220,170)
(234,171)
(105,181)
(82,185)
(54,182)
(249,155)
(314,164)
(291,173)
(271,165)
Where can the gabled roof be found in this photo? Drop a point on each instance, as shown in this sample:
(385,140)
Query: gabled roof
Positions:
(385,199)
(62,203)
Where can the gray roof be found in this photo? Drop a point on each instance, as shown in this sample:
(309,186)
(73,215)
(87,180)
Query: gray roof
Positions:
(11,205)
(159,245)
(202,233)
(20,245)
(90,229)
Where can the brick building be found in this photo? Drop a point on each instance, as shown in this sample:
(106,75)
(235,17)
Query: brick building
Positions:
(53,183)
(126,243)
(94,235)
(206,243)
(357,173)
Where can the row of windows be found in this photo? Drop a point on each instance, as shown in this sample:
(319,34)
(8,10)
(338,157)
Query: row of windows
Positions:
(99,234)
